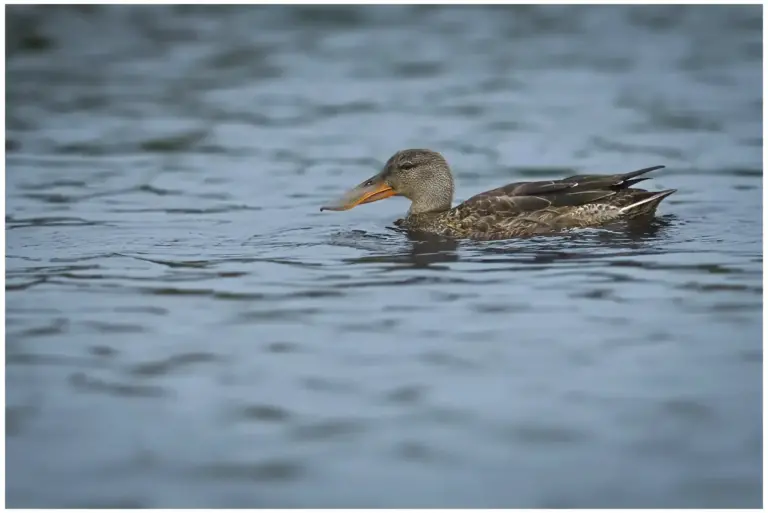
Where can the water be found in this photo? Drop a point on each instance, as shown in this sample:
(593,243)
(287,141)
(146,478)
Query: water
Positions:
(185,328)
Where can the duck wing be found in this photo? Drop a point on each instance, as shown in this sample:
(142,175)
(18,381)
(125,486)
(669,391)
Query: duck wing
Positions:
(576,190)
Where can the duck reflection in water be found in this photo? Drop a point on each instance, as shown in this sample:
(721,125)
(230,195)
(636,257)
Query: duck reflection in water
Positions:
(422,250)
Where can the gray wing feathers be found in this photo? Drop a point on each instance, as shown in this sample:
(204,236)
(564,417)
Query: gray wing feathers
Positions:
(572,191)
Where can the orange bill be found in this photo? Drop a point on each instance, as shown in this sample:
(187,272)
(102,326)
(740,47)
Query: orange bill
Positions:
(366,192)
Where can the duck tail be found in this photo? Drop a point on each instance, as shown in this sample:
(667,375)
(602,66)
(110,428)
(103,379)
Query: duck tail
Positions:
(646,205)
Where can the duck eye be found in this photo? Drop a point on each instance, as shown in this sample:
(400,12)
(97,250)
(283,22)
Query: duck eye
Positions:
(368,183)
(407,164)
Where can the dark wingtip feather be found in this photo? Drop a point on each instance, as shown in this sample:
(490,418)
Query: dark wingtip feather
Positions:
(628,179)
(632,174)
(630,183)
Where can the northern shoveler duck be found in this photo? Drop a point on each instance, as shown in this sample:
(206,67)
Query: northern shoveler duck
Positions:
(514,210)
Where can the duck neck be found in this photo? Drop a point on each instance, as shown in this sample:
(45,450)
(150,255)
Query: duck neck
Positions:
(437,197)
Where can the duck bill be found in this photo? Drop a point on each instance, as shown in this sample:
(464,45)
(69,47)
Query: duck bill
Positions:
(360,195)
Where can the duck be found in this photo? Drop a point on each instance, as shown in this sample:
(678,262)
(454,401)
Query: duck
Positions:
(517,209)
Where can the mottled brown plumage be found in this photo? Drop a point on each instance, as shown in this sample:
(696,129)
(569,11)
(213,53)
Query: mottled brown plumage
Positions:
(514,210)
